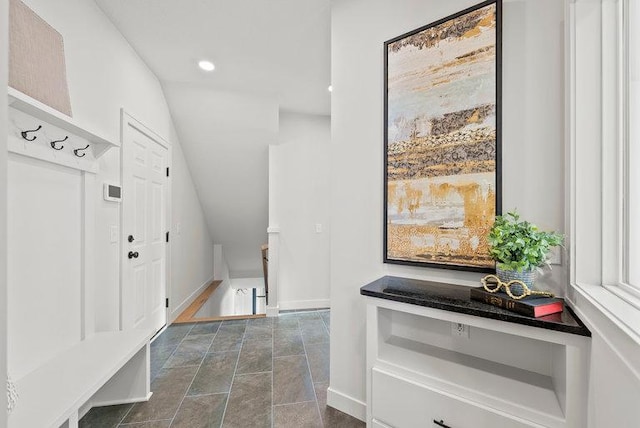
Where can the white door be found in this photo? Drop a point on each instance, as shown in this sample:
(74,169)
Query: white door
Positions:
(144,228)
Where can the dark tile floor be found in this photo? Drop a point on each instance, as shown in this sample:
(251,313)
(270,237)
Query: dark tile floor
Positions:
(266,372)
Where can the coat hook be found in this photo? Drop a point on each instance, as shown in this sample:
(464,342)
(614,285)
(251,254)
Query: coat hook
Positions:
(75,152)
(24,133)
(53,143)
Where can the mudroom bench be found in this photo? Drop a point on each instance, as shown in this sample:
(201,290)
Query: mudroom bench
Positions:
(105,369)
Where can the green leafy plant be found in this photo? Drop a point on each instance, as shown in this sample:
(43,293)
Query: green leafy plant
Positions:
(519,245)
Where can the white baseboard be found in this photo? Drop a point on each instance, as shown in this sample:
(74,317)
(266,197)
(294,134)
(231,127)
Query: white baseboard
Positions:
(347,404)
(304,304)
(273,311)
(176,311)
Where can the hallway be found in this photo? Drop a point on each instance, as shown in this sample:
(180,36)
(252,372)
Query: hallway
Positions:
(265,372)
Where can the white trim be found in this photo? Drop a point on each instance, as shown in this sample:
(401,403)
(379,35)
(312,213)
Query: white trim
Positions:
(595,134)
(624,137)
(273,270)
(626,292)
(126,119)
(611,142)
(607,326)
(347,404)
(88,271)
(175,313)
(622,314)
(304,304)
(569,113)
(4,122)
(273,311)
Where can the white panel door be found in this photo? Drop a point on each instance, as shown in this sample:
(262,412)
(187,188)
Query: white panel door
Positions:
(144,227)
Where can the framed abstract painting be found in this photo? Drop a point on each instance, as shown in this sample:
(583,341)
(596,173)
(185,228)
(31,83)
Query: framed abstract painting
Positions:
(442,141)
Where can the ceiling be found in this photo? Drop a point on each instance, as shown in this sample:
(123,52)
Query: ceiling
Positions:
(274,48)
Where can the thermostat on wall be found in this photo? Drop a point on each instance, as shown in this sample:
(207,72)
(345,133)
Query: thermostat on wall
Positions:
(112,192)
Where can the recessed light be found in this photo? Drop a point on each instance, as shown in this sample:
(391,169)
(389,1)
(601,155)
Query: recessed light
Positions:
(330,88)
(206,65)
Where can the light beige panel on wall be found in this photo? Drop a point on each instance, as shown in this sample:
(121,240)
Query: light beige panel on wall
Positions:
(36,58)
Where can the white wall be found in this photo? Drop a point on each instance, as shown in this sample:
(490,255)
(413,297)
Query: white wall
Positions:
(222,300)
(191,245)
(299,198)
(225,138)
(104,75)
(41,327)
(533,130)
(3,203)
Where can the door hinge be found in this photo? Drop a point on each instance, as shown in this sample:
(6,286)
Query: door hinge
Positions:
(167,171)
(166,303)
(167,236)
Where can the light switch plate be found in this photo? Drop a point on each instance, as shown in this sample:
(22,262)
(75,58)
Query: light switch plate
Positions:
(113,234)
(318,228)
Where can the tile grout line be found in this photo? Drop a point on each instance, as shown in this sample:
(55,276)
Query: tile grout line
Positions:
(273,364)
(161,368)
(137,423)
(194,375)
(297,402)
(254,373)
(175,350)
(233,378)
(125,415)
(328,383)
(206,395)
(313,387)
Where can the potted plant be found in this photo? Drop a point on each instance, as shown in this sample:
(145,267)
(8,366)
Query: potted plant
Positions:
(519,248)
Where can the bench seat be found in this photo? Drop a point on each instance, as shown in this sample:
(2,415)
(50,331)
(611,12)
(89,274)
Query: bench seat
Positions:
(107,368)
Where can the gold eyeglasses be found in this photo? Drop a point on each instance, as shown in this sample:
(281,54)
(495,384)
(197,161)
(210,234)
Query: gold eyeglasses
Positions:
(516,289)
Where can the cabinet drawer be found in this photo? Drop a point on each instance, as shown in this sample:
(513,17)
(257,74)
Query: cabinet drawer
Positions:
(401,403)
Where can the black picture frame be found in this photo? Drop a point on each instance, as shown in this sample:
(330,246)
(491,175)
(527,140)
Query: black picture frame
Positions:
(498,135)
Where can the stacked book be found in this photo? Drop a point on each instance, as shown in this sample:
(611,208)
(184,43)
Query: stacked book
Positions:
(530,306)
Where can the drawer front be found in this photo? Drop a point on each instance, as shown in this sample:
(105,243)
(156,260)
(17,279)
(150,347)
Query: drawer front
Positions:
(400,403)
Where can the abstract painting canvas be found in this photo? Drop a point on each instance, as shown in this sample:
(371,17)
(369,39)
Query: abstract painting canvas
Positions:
(442,141)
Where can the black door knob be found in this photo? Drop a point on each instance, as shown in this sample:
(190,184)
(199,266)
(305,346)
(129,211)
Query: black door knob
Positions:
(130,238)
(133,255)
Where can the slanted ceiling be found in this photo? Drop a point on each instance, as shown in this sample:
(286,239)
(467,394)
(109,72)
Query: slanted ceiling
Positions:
(225,139)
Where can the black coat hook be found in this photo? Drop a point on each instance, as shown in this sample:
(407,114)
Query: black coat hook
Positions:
(75,152)
(53,143)
(24,133)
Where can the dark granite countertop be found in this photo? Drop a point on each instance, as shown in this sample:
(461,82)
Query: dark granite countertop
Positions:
(456,298)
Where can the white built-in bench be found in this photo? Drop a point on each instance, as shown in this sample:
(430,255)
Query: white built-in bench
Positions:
(62,367)
(107,368)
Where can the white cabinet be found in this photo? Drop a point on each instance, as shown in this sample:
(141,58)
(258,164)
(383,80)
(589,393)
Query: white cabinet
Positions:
(403,403)
(503,375)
